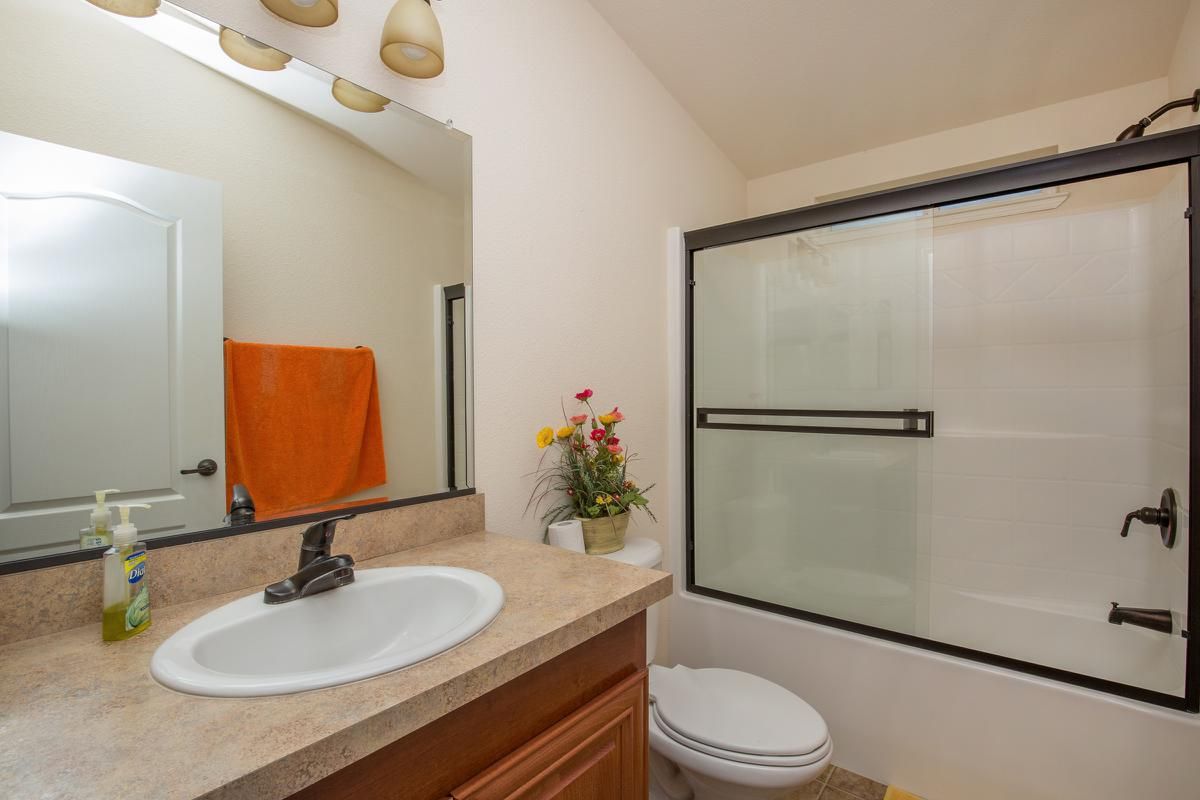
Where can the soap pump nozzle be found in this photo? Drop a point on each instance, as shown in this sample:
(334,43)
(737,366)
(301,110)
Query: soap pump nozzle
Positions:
(126,532)
(101,510)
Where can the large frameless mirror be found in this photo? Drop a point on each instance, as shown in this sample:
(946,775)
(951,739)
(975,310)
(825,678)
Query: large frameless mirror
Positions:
(232,287)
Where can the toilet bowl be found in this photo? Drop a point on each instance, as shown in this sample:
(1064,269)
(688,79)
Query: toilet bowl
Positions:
(722,734)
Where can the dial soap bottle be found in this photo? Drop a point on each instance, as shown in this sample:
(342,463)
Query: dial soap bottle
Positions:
(99,532)
(126,598)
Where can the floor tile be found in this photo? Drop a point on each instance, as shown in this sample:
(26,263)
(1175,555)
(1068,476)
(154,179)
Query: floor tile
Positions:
(810,792)
(836,794)
(856,785)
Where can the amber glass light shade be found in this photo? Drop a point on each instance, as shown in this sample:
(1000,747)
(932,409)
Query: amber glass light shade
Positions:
(251,52)
(355,97)
(128,8)
(311,13)
(412,40)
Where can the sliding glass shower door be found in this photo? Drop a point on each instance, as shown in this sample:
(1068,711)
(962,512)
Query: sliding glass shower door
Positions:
(804,496)
(931,423)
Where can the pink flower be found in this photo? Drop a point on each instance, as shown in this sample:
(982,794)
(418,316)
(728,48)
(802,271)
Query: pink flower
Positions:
(616,414)
(614,448)
(584,395)
(578,419)
(597,434)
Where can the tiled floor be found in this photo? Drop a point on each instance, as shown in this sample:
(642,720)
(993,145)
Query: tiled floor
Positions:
(840,784)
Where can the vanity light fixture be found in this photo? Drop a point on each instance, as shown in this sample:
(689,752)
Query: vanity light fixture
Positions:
(310,13)
(251,52)
(128,8)
(356,98)
(412,40)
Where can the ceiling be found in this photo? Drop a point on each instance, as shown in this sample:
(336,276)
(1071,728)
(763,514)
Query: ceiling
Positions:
(782,83)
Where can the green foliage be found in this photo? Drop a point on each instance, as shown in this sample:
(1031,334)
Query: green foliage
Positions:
(587,477)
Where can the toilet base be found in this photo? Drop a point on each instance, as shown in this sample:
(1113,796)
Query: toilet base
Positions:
(669,781)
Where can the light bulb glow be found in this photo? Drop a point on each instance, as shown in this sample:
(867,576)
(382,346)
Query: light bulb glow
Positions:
(414,51)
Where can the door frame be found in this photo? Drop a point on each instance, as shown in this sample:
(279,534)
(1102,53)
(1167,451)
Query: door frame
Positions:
(1177,147)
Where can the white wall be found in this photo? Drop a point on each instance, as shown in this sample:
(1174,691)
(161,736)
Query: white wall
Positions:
(582,160)
(1071,125)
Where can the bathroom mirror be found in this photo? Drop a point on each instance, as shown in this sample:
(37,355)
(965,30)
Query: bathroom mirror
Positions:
(227,279)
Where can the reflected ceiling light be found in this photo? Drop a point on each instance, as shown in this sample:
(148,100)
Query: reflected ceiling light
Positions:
(412,40)
(312,13)
(251,52)
(356,98)
(128,8)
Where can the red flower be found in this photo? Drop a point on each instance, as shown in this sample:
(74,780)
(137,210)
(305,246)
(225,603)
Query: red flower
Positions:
(584,395)
(613,440)
(597,434)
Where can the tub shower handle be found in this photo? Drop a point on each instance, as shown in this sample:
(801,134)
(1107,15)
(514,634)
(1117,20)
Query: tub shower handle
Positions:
(1164,517)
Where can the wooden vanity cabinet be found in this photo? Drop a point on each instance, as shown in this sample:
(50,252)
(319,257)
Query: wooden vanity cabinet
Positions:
(573,728)
(598,752)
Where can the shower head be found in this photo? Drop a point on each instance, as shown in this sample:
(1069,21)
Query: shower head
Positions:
(1138,128)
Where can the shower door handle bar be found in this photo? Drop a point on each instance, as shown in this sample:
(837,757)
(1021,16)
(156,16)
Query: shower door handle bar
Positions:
(911,430)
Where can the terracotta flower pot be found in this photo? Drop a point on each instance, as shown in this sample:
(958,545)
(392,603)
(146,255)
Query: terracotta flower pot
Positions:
(604,534)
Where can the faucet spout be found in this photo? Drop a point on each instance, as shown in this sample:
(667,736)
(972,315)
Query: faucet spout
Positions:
(1156,619)
(319,570)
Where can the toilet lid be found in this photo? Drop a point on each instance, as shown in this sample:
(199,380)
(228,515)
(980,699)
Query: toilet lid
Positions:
(736,712)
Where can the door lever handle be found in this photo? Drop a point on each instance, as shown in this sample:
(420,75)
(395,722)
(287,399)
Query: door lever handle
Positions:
(1164,517)
(206,467)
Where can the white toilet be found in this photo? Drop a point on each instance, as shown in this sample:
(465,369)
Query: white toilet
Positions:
(721,734)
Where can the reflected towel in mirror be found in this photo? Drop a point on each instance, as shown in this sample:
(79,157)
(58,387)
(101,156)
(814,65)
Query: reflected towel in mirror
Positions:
(302,424)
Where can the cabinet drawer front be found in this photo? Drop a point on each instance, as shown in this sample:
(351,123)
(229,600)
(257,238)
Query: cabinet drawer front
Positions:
(597,753)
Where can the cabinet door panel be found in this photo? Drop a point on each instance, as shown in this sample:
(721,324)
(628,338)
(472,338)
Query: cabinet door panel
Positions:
(597,753)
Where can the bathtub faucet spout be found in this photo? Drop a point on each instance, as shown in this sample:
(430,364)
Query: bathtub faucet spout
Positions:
(1156,619)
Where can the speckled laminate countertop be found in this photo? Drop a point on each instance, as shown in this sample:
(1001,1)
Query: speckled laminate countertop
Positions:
(80,718)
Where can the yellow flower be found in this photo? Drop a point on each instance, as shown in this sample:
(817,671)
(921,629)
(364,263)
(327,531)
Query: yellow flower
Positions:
(607,419)
(618,458)
(544,437)
(602,499)
(565,431)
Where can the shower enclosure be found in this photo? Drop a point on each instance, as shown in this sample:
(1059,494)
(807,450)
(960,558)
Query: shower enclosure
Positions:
(925,414)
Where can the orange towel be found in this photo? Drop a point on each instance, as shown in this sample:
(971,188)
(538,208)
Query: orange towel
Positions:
(302,424)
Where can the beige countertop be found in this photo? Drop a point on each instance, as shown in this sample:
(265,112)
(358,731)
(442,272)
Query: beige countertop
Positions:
(80,718)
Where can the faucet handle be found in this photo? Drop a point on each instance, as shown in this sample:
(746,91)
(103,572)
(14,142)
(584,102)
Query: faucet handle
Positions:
(1164,517)
(318,538)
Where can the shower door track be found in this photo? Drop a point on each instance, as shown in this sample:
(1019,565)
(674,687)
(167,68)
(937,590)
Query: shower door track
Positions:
(1177,147)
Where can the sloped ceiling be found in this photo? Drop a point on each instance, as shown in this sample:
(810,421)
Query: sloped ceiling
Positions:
(782,83)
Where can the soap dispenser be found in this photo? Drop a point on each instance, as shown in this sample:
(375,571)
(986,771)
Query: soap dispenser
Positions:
(126,598)
(99,533)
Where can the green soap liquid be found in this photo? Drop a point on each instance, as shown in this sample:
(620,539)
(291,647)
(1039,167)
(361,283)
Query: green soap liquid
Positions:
(113,624)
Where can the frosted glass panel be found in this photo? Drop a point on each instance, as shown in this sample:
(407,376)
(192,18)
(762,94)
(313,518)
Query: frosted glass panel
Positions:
(834,318)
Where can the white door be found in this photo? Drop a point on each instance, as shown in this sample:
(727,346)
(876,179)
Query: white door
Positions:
(111,369)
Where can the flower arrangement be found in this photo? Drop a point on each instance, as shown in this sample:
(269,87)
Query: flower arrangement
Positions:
(589,474)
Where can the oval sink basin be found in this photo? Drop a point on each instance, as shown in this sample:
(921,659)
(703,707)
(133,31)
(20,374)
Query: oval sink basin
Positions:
(387,619)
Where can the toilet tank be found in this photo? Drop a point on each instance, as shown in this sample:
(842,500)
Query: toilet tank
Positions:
(642,552)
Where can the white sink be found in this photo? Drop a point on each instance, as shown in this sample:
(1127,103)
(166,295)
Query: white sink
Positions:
(388,618)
